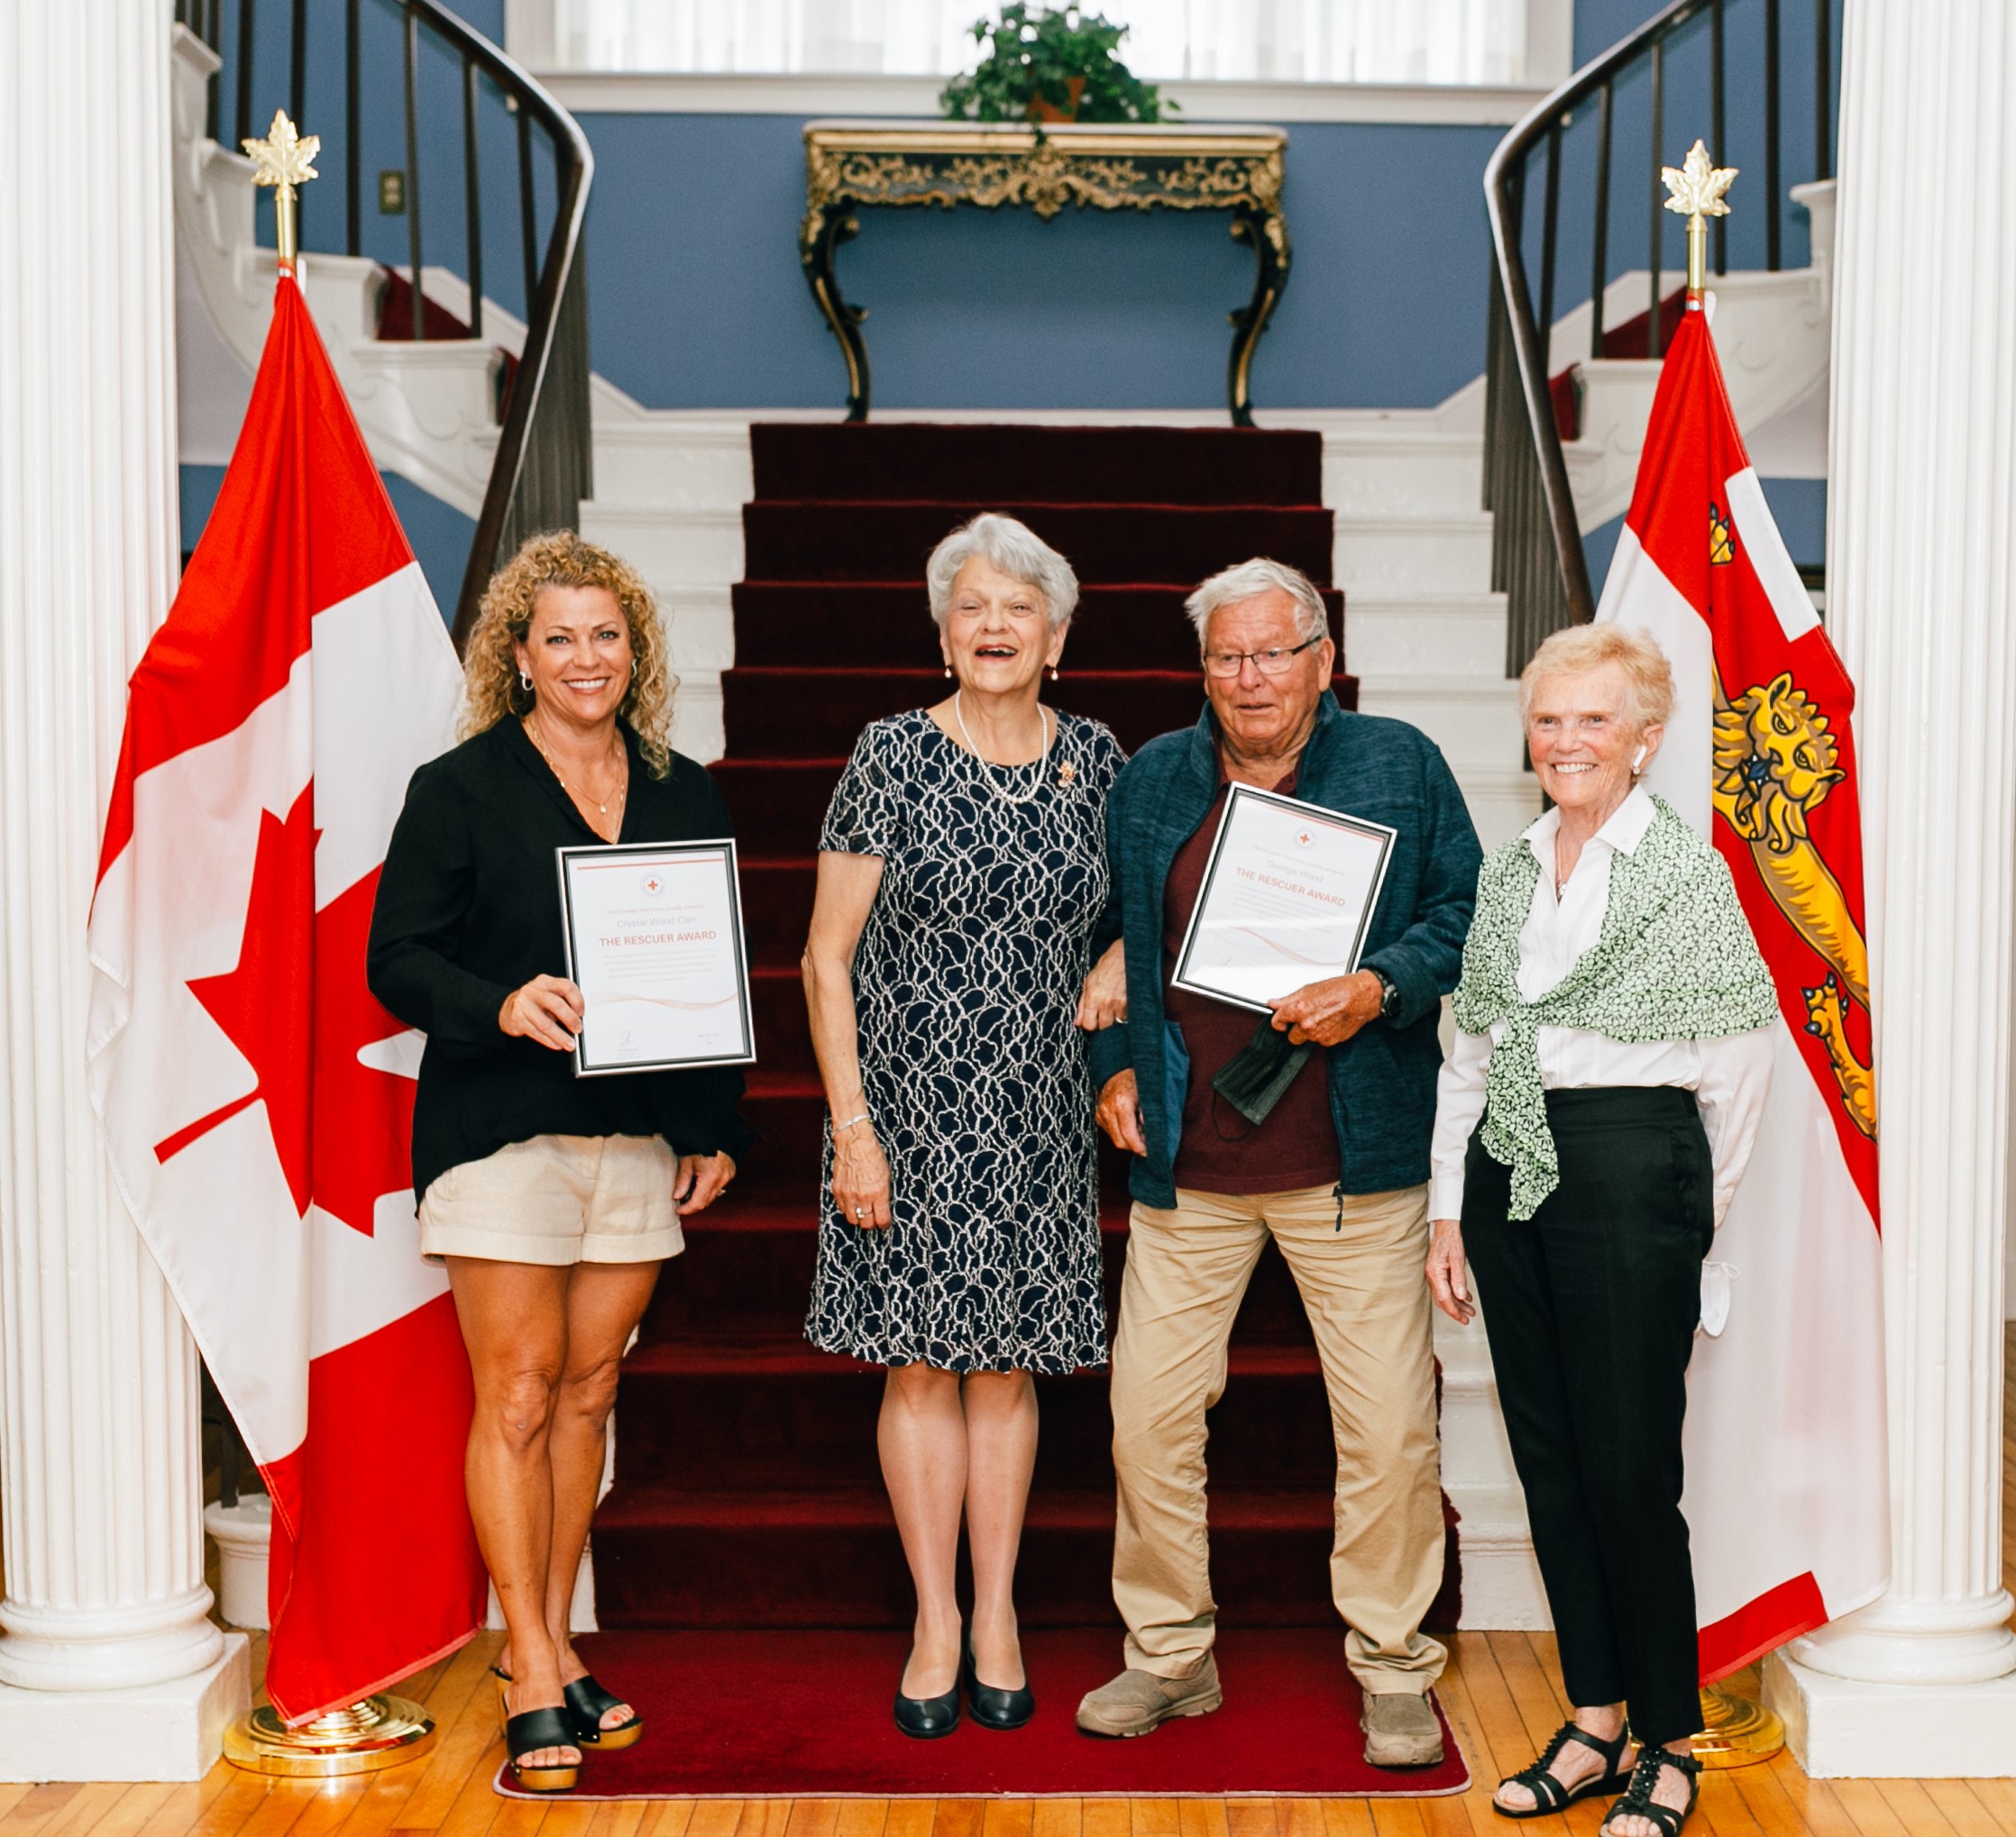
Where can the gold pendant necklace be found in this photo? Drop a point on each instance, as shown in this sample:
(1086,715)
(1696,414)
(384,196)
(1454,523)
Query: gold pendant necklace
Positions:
(616,797)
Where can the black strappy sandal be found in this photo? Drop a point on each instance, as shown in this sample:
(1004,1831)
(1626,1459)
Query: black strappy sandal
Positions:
(1549,1794)
(1637,1801)
(588,1702)
(541,1728)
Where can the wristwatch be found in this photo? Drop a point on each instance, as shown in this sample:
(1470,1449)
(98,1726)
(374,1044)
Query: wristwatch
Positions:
(1389,997)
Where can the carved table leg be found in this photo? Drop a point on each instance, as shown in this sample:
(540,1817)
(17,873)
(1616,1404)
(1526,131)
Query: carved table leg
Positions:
(1268,232)
(823,232)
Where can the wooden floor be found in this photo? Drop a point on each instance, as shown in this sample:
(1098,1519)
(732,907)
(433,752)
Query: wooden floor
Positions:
(1500,1692)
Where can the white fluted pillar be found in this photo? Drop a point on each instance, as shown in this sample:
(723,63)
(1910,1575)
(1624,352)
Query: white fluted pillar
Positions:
(1922,599)
(110,1667)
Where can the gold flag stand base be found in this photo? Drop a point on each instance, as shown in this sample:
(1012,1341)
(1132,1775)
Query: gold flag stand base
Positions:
(1736,1731)
(379,1731)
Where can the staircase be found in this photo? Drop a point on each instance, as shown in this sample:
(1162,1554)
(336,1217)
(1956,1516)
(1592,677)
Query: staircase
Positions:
(747,1491)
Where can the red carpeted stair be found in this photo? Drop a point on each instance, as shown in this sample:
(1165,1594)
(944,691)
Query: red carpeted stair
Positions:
(747,1491)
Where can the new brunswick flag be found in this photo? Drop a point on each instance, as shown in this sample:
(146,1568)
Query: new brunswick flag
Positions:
(1787,1487)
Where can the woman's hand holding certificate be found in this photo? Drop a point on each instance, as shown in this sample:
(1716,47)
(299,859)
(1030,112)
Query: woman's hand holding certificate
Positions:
(547,1009)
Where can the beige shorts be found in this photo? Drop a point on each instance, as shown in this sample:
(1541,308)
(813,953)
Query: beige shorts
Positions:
(557,1200)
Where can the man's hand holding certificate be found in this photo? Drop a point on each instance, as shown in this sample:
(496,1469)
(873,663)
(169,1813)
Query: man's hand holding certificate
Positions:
(1288,898)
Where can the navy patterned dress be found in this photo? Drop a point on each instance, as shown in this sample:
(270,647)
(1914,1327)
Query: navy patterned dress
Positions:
(965,981)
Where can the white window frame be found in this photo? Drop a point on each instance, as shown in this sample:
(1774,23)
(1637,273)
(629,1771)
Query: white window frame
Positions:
(528,37)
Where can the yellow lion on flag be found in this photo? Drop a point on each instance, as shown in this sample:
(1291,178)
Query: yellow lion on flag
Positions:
(1775,759)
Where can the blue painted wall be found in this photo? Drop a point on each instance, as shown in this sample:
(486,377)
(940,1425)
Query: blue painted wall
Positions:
(697,299)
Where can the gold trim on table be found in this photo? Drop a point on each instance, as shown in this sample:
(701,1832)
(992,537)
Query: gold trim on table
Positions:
(853,165)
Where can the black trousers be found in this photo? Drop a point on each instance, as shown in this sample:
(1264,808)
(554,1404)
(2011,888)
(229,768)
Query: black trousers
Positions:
(1590,1306)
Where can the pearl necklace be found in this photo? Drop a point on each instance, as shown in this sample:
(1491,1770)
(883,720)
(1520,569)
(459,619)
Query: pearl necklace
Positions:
(987,767)
(615,797)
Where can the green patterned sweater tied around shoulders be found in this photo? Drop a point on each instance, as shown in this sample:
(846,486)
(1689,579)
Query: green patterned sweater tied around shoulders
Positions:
(1674,960)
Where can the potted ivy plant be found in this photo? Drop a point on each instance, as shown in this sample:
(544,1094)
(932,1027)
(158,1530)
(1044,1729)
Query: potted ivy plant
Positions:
(1045,64)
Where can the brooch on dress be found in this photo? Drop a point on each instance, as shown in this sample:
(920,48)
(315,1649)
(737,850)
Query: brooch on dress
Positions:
(1066,773)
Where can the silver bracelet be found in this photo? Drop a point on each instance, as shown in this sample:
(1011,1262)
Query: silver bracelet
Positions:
(851,1120)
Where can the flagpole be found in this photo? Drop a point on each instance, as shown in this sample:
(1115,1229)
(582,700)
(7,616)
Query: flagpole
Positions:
(379,1730)
(1735,1730)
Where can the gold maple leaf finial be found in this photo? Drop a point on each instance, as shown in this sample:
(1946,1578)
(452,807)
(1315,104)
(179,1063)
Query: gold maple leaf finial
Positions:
(284,159)
(1697,187)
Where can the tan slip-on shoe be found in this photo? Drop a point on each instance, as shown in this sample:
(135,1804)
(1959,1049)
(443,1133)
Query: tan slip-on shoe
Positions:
(1136,1702)
(1400,1730)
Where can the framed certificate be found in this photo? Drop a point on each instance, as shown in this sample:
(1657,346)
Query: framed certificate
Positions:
(653,933)
(1289,894)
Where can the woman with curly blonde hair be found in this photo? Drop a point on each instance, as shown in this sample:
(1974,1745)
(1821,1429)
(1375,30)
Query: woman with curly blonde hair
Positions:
(552,1199)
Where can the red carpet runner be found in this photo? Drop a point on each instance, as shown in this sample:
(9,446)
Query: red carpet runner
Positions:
(732,1715)
(747,1494)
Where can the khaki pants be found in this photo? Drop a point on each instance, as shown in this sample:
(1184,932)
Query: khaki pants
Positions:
(1368,1302)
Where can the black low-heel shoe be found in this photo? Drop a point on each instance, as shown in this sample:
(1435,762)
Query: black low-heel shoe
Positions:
(994,1708)
(926,1718)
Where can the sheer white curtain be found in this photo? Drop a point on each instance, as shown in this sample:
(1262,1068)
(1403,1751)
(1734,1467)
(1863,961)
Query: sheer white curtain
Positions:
(1292,40)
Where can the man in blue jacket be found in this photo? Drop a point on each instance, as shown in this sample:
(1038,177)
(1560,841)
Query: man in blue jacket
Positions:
(1336,1172)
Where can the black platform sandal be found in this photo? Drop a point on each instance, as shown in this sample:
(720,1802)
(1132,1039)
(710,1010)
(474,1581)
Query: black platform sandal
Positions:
(536,1729)
(1549,1794)
(1637,1800)
(588,1702)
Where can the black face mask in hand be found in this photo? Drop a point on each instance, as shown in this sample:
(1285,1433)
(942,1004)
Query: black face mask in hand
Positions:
(1257,1076)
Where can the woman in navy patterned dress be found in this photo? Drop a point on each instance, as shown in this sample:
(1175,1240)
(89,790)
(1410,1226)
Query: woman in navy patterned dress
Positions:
(962,868)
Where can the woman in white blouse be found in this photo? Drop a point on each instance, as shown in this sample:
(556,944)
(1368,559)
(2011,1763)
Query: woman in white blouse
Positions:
(1612,1055)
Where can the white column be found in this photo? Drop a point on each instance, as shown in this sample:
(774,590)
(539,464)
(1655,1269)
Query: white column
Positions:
(109,1665)
(1922,599)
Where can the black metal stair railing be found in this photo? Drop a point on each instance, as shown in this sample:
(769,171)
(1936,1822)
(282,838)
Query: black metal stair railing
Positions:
(542,467)
(1537,559)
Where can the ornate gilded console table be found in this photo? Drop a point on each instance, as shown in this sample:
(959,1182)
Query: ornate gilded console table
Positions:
(852,164)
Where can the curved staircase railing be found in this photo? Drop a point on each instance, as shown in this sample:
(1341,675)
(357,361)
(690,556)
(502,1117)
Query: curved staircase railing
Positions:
(542,467)
(1537,559)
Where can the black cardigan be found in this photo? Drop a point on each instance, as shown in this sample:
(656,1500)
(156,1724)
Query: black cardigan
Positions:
(469,910)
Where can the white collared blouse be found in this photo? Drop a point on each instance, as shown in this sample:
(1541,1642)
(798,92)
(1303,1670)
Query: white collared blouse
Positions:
(1729,1076)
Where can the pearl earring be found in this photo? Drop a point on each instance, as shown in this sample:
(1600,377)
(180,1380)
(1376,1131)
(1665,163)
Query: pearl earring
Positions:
(947,673)
(1053,673)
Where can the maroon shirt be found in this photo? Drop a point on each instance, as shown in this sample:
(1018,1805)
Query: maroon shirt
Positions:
(1220,1151)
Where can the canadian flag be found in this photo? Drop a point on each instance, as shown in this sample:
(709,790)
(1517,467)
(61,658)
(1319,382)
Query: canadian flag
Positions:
(1787,1494)
(256,1101)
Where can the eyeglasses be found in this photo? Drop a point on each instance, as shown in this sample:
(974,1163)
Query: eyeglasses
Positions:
(1274,662)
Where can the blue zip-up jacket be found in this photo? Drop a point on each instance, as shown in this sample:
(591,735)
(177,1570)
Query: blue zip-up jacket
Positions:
(1382,1080)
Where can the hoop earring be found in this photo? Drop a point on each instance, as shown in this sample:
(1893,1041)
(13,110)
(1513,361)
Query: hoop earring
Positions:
(524,682)
(633,669)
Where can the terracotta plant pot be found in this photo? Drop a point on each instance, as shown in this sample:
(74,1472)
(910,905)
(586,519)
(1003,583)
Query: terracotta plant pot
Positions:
(1042,109)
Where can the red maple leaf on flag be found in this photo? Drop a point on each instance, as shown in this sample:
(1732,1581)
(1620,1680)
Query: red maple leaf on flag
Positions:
(363,1116)
(297,1007)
